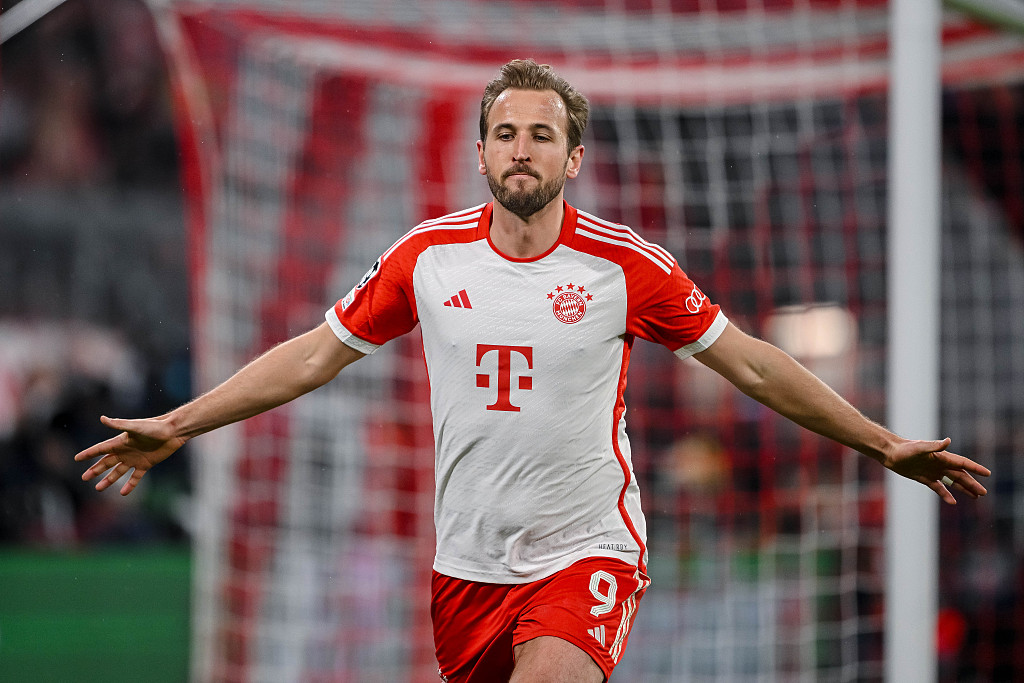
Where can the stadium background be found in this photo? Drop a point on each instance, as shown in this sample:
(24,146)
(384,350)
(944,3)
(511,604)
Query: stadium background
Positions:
(180,193)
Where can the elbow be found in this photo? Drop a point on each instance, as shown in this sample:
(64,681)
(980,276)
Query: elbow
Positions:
(759,376)
(752,376)
(321,362)
(310,367)
(754,383)
(313,376)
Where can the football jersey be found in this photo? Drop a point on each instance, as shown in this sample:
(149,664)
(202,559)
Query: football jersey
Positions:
(526,360)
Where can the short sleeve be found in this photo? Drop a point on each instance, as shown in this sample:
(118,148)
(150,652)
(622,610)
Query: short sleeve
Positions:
(379,308)
(668,308)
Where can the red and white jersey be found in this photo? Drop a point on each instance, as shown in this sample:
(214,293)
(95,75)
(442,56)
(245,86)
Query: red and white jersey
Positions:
(527,365)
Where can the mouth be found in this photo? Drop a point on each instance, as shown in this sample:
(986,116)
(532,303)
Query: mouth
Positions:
(519,173)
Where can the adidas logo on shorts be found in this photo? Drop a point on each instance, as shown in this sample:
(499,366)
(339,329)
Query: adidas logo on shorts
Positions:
(598,633)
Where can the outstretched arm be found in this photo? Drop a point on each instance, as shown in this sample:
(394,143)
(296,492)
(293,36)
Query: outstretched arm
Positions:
(283,373)
(772,377)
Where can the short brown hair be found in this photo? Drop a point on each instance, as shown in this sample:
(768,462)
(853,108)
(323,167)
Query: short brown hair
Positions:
(526,74)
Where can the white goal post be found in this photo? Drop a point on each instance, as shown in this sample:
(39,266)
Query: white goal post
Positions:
(752,144)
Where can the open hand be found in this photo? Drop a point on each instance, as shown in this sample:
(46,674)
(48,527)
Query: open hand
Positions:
(140,445)
(931,464)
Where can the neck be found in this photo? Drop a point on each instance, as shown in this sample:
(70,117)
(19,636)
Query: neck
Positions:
(526,237)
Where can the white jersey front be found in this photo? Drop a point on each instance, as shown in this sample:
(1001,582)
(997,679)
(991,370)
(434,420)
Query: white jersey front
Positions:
(527,365)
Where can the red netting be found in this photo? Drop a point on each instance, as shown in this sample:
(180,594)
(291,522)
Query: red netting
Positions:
(754,149)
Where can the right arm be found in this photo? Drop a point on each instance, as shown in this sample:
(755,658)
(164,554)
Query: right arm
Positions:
(282,374)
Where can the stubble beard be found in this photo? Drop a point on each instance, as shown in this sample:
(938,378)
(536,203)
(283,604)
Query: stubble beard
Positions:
(524,203)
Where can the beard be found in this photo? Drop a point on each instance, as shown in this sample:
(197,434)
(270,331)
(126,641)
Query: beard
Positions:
(524,203)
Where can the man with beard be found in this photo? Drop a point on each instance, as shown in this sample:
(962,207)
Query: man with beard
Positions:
(529,309)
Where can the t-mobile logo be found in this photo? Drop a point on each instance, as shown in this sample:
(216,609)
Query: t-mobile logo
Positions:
(525,382)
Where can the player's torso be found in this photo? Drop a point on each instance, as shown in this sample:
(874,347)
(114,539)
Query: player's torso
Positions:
(525,362)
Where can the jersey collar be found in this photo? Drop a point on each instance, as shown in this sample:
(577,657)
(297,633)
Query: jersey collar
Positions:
(564,236)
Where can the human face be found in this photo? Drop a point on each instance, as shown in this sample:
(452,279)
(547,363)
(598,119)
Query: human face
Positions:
(525,156)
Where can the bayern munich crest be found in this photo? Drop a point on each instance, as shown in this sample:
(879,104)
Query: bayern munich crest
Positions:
(569,302)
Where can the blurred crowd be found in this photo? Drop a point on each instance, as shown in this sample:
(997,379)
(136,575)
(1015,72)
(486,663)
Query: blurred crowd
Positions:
(85,100)
(56,379)
(86,149)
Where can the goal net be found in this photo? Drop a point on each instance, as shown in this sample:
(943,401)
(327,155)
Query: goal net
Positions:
(746,136)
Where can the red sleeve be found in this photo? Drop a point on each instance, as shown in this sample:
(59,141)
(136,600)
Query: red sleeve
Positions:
(380,307)
(671,310)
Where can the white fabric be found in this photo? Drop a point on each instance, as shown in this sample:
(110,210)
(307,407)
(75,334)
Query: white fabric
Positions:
(526,366)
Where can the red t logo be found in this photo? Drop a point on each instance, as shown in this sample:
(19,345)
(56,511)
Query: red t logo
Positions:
(504,373)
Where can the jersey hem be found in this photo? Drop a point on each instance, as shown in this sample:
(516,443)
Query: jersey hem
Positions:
(713,332)
(505,578)
(346,337)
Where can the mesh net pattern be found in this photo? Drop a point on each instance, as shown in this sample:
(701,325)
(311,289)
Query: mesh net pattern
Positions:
(746,136)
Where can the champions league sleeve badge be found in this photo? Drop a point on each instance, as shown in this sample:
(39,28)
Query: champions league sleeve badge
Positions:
(350,297)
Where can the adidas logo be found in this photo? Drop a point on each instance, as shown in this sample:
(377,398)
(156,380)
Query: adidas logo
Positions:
(460,300)
(598,633)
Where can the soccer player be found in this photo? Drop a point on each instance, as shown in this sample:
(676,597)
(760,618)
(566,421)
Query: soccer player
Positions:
(529,309)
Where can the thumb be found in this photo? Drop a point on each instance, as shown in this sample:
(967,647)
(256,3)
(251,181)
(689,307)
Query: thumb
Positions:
(114,422)
(122,424)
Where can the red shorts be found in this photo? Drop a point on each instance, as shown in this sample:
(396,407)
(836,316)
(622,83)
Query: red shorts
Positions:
(591,604)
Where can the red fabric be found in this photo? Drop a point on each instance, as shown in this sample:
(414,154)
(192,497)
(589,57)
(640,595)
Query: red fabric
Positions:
(671,310)
(477,625)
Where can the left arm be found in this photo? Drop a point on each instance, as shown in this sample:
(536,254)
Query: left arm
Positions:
(772,377)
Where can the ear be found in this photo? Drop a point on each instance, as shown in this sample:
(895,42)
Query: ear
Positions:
(482,167)
(572,166)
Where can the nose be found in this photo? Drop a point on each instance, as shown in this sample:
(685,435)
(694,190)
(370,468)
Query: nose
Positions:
(521,150)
